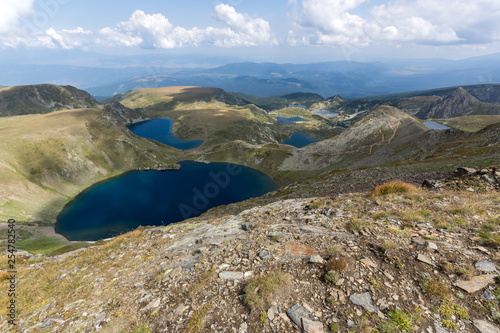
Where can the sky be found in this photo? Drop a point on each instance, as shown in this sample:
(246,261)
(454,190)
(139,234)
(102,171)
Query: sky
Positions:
(298,31)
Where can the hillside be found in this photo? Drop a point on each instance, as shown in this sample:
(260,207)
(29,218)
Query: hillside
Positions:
(470,123)
(42,98)
(169,97)
(385,135)
(208,114)
(281,101)
(48,159)
(415,260)
(459,103)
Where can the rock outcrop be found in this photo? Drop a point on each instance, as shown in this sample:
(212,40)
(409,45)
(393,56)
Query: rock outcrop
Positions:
(457,104)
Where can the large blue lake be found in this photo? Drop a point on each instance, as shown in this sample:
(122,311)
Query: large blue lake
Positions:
(161,131)
(299,140)
(152,197)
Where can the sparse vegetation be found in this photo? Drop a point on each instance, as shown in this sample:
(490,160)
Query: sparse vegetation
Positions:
(466,272)
(355,225)
(401,321)
(334,251)
(394,187)
(259,291)
(331,277)
(448,309)
(336,264)
(197,320)
(435,288)
(334,327)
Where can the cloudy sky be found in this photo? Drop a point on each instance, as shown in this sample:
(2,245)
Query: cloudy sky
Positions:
(287,30)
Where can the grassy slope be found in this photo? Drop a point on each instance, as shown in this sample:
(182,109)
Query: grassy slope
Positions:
(318,127)
(203,113)
(470,123)
(47,159)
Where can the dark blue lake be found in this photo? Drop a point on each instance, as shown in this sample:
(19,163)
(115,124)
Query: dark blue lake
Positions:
(299,140)
(290,120)
(161,131)
(152,197)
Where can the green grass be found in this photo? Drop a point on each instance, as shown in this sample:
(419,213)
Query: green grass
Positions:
(401,321)
(42,245)
(470,123)
(448,309)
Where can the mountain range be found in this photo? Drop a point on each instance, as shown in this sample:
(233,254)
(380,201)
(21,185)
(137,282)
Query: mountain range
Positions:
(349,79)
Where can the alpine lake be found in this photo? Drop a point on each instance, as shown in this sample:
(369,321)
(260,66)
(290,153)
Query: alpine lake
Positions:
(154,198)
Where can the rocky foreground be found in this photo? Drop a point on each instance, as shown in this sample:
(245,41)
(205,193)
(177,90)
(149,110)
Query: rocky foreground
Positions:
(417,261)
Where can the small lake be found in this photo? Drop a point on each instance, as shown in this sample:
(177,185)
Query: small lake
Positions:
(290,120)
(299,140)
(157,198)
(325,113)
(435,126)
(161,131)
(297,106)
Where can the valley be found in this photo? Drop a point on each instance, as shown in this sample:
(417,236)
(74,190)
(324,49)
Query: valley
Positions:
(58,151)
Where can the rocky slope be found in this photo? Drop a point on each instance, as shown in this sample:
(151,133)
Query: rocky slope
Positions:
(489,93)
(43,98)
(385,135)
(420,261)
(457,104)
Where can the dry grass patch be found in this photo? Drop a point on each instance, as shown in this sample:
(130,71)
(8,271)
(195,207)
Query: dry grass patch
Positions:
(394,187)
(197,320)
(260,290)
(205,278)
(435,288)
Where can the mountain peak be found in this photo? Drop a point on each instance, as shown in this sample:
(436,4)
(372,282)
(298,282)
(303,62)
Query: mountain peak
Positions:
(43,98)
(365,143)
(457,104)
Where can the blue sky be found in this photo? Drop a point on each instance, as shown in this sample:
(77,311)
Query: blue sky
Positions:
(278,30)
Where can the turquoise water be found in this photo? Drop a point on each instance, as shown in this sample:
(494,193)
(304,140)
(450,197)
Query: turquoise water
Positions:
(435,126)
(290,120)
(297,106)
(153,197)
(161,131)
(299,140)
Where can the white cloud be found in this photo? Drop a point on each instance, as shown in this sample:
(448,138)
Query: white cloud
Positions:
(414,21)
(10,13)
(155,31)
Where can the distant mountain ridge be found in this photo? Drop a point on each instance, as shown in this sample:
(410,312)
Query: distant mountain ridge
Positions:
(461,103)
(349,79)
(43,98)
